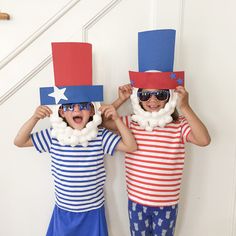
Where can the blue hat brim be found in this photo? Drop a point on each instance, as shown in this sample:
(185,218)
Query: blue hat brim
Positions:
(71,94)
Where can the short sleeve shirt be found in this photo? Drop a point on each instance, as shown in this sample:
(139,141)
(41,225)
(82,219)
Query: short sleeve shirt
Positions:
(78,172)
(155,170)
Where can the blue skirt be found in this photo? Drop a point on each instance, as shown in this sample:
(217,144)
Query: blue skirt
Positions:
(90,223)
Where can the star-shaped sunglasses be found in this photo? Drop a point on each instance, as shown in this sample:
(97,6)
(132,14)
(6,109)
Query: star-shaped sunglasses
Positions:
(82,106)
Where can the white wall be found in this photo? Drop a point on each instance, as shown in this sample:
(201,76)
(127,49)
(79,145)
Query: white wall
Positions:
(205,50)
(208,55)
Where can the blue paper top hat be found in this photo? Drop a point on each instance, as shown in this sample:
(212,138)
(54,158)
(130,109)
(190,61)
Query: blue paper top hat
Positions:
(72,63)
(156,49)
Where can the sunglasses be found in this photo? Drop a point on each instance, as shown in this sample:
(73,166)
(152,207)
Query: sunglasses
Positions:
(161,95)
(81,106)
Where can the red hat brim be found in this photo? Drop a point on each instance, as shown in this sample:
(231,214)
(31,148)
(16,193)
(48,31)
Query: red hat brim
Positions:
(156,80)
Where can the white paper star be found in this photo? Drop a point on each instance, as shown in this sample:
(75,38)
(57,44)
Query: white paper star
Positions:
(58,94)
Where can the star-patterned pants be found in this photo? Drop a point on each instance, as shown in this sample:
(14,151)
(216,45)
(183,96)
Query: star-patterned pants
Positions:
(152,221)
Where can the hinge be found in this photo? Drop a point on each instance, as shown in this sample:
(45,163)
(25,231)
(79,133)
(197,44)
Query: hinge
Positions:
(4,16)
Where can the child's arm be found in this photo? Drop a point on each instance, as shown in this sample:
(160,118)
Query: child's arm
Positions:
(22,138)
(127,143)
(124,93)
(199,134)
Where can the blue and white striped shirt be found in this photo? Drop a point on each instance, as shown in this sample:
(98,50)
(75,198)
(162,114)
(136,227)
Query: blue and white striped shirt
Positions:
(78,172)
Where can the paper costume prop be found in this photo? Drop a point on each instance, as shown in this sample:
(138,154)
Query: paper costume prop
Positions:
(72,64)
(156,59)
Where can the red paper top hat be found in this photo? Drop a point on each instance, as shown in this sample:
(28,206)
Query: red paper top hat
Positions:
(72,63)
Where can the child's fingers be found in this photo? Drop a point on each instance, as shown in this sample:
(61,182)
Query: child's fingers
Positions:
(180,89)
(122,89)
(105,108)
(108,110)
(125,88)
(111,114)
(127,91)
(108,113)
(43,111)
(46,110)
(42,114)
(128,87)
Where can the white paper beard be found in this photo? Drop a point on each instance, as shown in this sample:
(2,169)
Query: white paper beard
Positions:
(150,120)
(69,136)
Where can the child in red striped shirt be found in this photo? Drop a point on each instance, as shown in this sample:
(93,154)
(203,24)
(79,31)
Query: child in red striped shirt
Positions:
(154,171)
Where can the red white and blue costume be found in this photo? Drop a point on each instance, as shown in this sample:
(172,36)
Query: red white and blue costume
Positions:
(77,156)
(154,171)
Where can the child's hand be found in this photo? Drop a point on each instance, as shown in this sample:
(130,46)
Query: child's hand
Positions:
(183,97)
(124,92)
(41,112)
(109,112)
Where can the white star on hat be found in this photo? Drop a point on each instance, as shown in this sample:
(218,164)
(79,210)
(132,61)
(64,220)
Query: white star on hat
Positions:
(58,94)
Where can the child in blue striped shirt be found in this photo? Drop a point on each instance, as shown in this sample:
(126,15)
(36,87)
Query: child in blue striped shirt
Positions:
(78,170)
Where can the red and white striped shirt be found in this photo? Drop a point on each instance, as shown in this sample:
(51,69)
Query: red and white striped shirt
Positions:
(154,171)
